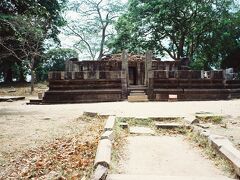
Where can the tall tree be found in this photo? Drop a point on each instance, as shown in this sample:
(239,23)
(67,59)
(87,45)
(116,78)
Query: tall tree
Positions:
(29,15)
(175,28)
(94,25)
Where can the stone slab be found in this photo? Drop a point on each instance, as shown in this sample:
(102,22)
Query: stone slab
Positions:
(168,125)
(141,130)
(14,98)
(110,123)
(107,135)
(219,141)
(103,155)
(233,155)
(100,173)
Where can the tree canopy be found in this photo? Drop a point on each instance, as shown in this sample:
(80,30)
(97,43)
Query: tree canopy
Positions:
(203,30)
(24,27)
(93,27)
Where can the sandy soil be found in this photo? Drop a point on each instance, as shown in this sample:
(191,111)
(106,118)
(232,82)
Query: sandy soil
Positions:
(24,125)
(166,156)
(27,126)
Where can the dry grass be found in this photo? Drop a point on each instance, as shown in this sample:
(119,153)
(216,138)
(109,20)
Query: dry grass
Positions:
(69,157)
(119,143)
(211,153)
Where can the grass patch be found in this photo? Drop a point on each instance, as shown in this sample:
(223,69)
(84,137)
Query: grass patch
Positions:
(171,132)
(210,119)
(118,147)
(221,162)
(137,121)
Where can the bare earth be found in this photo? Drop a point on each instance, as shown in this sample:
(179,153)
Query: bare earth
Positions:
(25,126)
(166,156)
(22,125)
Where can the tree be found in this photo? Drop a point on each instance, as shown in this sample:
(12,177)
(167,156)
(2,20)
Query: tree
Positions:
(176,28)
(54,60)
(10,11)
(30,35)
(94,25)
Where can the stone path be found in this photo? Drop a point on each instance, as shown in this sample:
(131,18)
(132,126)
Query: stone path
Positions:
(165,158)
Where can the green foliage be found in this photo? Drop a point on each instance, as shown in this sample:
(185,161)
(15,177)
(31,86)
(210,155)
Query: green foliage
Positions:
(205,30)
(54,60)
(24,26)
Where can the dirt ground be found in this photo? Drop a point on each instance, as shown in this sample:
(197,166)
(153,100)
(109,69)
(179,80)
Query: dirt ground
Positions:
(166,156)
(23,127)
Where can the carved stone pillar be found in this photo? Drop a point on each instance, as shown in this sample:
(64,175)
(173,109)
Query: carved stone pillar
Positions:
(149,74)
(124,74)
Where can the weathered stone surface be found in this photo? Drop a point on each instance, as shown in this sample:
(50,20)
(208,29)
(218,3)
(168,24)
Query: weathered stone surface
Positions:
(141,130)
(100,173)
(232,154)
(107,135)
(110,123)
(103,155)
(11,98)
(218,141)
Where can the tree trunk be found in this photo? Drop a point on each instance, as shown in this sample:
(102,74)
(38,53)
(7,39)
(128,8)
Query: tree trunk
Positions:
(32,75)
(32,80)
(8,75)
(102,43)
(21,75)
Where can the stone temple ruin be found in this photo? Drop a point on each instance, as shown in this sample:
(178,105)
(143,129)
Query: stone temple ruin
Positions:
(137,78)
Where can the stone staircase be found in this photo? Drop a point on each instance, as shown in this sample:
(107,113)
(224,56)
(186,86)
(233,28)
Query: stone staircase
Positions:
(137,94)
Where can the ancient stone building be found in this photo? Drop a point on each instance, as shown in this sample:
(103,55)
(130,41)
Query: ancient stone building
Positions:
(136,78)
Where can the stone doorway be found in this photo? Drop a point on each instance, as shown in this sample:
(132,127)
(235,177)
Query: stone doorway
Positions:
(132,75)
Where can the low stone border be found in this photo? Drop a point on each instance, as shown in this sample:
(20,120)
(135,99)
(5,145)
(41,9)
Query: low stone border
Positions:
(104,151)
(222,145)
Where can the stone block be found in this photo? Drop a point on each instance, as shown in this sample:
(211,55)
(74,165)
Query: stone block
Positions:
(110,123)
(103,155)
(100,173)
(233,155)
(218,141)
(108,135)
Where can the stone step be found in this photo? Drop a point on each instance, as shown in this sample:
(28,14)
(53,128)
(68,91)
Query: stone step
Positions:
(168,125)
(142,98)
(137,87)
(159,177)
(13,98)
(138,94)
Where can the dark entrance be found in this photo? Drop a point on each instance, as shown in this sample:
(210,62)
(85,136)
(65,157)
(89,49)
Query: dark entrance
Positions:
(132,75)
